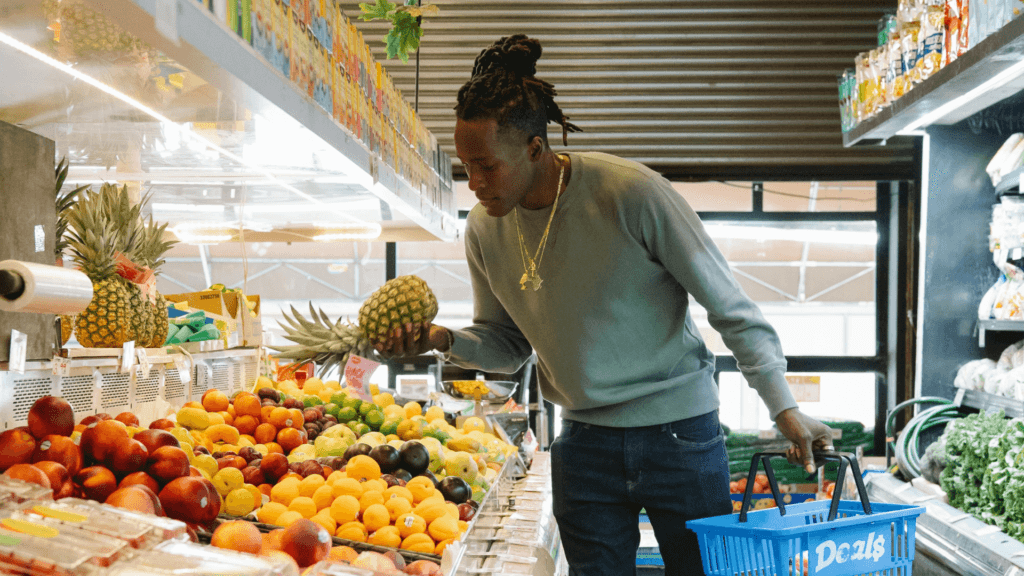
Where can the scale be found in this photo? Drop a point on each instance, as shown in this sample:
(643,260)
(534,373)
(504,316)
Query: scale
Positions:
(498,393)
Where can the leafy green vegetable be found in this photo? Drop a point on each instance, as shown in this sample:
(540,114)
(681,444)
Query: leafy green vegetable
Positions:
(404,36)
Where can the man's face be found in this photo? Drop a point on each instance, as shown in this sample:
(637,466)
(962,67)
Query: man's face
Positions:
(500,172)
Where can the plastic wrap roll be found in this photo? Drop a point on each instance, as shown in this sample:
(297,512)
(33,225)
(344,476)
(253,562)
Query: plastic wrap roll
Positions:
(48,289)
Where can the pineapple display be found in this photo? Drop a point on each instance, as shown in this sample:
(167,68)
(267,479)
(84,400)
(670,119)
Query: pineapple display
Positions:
(150,254)
(126,223)
(398,302)
(91,239)
(64,202)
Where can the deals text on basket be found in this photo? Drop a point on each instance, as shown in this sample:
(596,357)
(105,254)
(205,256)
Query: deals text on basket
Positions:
(828,552)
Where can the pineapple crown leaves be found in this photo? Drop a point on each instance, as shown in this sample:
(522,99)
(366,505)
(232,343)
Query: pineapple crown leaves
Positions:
(64,203)
(90,237)
(320,340)
(153,246)
(405,33)
(125,218)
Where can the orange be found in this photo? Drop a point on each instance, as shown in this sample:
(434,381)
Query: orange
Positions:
(303,505)
(246,424)
(334,476)
(352,531)
(444,528)
(285,491)
(362,467)
(265,413)
(397,506)
(248,437)
(257,496)
(248,405)
(430,510)
(347,486)
(419,543)
(398,492)
(441,546)
(323,497)
(377,485)
(238,535)
(228,418)
(463,526)
(421,488)
(288,518)
(265,489)
(273,448)
(297,419)
(310,483)
(215,401)
(375,517)
(264,433)
(290,439)
(193,404)
(342,554)
(386,536)
(231,410)
(324,519)
(270,511)
(280,417)
(291,475)
(344,509)
(272,540)
(452,510)
(409,524)
(369,499)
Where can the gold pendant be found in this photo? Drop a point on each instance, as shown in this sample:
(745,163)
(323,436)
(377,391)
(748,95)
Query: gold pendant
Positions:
(536,282)
(523,281)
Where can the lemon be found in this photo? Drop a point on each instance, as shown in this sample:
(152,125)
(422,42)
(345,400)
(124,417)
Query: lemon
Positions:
(313,386)
(410,430)
(434,413)
(206,463)
(473,423)
(239,502)
(384,400)
(228,480)
(270,511)
(413,409)
(304,506)
(394,411)
(285,491)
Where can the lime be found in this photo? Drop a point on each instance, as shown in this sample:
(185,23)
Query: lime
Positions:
(366,407)
(332,409)
(374,419)
(339,398)
(361,429)
(346,414)
(352,424)
(390,426)
(310,401)
(352,402)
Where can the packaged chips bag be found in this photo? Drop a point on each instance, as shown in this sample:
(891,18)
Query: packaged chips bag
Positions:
(932,38)
(953,25)
(895,83)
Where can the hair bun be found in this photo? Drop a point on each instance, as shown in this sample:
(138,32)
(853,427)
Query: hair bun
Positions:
(517,54)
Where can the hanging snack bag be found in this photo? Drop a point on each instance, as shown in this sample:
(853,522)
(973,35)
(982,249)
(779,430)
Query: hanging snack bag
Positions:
(894,80)
(880,70)
(933,30)
(965,26)
(909,34)
(952,24)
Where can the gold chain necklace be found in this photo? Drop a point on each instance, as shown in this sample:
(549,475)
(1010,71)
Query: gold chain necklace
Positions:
(530,265)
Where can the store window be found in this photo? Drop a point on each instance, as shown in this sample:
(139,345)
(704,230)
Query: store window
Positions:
(838,397)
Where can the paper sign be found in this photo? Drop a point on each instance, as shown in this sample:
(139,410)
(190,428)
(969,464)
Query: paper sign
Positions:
(128,356)
(61,366)
(183,373)
(357,375)
(19,347)
(805,388)
(144,364)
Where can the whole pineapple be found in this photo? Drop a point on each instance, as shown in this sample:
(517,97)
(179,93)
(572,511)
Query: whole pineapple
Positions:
(398,302)
(150,253)
(64,202)
(92,245)
(125,220)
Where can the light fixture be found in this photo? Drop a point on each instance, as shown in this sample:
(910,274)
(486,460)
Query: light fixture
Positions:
(337,268)
(336,232)
(204,233)
(847,237)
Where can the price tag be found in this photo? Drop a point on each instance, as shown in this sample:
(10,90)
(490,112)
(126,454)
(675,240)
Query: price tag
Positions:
(144,364)
(61,366)
(184,374)
(357,375)
(128,356)
(530,505)
(19,347)
(166,19)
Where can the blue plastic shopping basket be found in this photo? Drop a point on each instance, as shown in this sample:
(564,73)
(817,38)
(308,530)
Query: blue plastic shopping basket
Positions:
(825,538)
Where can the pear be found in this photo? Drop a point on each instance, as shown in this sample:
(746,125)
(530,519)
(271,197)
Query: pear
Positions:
(462,465)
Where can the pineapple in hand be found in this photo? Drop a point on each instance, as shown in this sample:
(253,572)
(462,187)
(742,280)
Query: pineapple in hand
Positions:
(403,300)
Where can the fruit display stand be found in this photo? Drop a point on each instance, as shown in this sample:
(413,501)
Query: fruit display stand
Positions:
(95,381)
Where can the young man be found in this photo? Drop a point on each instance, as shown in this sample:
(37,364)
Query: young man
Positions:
(590,260)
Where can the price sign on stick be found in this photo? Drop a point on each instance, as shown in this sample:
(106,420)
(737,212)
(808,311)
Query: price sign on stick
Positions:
(357,374)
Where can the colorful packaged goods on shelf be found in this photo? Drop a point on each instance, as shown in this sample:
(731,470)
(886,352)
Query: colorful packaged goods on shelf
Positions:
(923,37)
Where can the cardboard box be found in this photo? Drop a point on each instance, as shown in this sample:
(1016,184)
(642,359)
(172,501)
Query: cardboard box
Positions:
(246,330)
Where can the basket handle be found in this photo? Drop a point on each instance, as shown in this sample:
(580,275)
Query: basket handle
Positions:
(844,460)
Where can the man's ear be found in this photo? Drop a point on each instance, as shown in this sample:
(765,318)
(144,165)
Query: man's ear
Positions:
(536,148)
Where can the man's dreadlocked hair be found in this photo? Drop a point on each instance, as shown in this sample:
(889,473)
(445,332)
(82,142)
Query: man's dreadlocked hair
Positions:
(504,87)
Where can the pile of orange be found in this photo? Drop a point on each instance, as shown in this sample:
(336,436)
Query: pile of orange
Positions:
(279,429)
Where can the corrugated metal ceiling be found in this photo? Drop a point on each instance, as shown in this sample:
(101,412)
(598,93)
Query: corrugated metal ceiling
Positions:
(696,89)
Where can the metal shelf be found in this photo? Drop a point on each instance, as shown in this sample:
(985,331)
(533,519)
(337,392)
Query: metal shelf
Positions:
(988,403)
(1010,182)
(988,73)
(997,326)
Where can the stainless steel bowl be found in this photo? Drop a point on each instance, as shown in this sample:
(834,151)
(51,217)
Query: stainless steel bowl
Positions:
(500,391)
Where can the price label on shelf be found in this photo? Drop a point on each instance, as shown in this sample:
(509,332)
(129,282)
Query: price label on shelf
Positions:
(61,366)
(144,364)
(127,356)
(184,374)
(19,348)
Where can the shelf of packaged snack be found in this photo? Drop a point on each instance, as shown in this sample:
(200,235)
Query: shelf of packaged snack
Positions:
(986,402)
(986,74)
(959,541)
(997,326)
(222,119)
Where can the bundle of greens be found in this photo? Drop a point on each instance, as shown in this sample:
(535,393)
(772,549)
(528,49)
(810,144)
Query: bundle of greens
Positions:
(967,459)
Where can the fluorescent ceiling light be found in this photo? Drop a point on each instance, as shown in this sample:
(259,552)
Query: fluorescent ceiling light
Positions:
(208,208)
(347,232)
(733,232)
(185,131)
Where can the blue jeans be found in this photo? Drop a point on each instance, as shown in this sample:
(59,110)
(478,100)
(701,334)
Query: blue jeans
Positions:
(602,477)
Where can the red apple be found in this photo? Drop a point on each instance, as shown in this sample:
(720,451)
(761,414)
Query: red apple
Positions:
(60,449)
(129,458)
(51,415)
(167,463)
(16,447)
(155,438)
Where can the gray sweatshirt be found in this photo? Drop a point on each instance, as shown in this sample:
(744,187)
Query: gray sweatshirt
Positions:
(615,341)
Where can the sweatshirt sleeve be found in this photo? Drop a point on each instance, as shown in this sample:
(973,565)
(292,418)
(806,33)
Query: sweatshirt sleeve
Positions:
(493,343)
(675,236)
